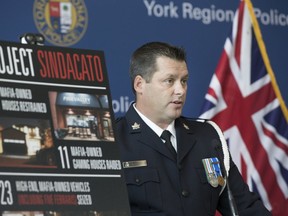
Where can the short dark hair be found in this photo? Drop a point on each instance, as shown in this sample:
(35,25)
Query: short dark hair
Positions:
(143,60)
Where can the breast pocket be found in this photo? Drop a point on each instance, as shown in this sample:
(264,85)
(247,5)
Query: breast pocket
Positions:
(144,189)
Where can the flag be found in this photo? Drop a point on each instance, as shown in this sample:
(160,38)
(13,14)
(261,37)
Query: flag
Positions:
(244,100)
(61,17)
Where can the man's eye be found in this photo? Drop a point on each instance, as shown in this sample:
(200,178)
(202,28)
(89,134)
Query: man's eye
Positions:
(184,81)
(169,81)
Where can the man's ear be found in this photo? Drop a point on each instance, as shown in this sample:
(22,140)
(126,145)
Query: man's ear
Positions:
(138,83)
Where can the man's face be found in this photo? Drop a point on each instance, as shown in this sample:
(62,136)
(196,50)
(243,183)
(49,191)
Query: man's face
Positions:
(162,99)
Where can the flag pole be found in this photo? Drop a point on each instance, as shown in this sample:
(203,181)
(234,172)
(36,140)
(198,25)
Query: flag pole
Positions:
(264,54)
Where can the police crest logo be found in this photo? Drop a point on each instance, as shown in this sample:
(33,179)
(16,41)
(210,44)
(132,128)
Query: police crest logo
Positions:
(62,22)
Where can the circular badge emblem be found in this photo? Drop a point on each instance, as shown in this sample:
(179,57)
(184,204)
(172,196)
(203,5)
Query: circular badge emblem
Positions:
(62,22)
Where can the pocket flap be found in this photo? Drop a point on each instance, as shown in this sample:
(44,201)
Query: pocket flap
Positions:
(141,176)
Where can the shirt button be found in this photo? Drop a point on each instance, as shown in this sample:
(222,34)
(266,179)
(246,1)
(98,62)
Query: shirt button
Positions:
(185,193)
(137,180)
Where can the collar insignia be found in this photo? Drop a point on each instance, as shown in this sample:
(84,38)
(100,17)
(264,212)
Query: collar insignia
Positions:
(135,126)
(185,126)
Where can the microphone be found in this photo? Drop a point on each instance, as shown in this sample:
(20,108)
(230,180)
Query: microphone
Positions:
(232,203)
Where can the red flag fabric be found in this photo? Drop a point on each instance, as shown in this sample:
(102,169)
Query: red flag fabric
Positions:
(244,100)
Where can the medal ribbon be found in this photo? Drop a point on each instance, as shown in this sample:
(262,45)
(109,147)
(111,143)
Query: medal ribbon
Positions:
(216,166)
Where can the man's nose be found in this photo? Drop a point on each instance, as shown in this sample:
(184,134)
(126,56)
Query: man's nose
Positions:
(180,88)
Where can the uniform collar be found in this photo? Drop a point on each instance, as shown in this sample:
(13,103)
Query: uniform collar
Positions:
(154,127)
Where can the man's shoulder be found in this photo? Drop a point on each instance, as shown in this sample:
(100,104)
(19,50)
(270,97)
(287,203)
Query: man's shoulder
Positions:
(191,120)
(119,120)
(196,124)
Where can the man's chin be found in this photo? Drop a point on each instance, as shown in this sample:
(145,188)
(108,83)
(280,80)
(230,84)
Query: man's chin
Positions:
(176,113)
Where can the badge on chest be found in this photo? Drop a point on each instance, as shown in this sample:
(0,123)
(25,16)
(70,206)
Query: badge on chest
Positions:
(213,171)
